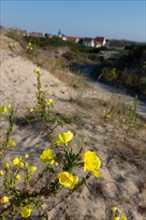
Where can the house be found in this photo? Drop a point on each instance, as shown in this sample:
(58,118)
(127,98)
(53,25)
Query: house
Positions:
(87,41)
(73,39)
(35,34)
(99,41)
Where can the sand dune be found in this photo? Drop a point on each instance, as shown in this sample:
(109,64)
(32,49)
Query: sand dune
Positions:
(122,181)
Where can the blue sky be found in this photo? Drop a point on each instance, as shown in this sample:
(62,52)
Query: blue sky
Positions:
(118,19)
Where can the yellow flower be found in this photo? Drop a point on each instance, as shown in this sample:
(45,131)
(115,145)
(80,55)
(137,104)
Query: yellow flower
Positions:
(116,218)
(36,70)
(26,211)
(29,44)
(67,180)
(56,164)
(26,164)
(131,104)
(1,172)
(7,165)
(17,161)
(47,156)
(64,137)
(5,199)
(31,109)
(21,164)
(108,116)
(18,177)
(49,102)
(8,106)
(123,217)
(3,109)
(114,208)
(32,168)
(92,162)
(12,143)
(26,155)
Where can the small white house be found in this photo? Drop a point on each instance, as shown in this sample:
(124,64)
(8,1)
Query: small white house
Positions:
(87,41)
(99,42)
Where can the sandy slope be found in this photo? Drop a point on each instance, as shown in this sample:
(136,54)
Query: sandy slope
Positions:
(123,179)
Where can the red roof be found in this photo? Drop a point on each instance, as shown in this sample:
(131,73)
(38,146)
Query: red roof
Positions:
(71,39)
(99,39)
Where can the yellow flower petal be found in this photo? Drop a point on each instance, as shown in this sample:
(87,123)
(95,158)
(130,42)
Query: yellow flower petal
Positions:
(67,180)
(49,102)
(7,165)
(5,199)
(36,70)
(123,217)
(17,161)
(1,172)
(18,177)
(8,106)
(92,162)
(3,109)
(48,156)
(12,143)
(26,155)
(114,208)
(26,211)
(64,137)
(32,168)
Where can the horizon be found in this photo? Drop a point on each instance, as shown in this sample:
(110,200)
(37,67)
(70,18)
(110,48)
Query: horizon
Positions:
(117,20)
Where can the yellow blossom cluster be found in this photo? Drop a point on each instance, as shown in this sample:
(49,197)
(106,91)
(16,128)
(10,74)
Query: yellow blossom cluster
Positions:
(29,47)
(115,216)
(105,115)
(91,161)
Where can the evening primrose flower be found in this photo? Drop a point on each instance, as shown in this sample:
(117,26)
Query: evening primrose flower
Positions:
(64,137)
(32,169)
(26,155)
(36,70)
(7,165)
(105,115)
(49,102)
(108,116)
(92,162)
(9,106)
(67,180)
(12,143)
(48,156)
(4,199)
(18,177)
(17,161)
(31,110)
(116,218)
(1,172)
(123,217)
(26,211)
(3,109)
(26,164)
(114,208)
